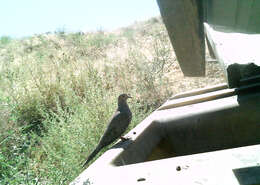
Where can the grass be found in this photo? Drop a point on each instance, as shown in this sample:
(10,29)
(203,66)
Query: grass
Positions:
(58,91)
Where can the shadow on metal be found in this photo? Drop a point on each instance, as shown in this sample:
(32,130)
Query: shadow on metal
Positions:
(248,176)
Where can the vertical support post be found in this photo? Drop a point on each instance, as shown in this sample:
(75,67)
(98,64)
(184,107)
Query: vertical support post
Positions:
(184,22)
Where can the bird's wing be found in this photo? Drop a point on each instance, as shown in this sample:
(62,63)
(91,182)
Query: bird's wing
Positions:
(119,122)
(115,128)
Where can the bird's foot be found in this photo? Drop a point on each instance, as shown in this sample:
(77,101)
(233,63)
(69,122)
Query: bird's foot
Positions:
(124,138)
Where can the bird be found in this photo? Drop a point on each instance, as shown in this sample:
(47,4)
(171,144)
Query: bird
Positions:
(116,127)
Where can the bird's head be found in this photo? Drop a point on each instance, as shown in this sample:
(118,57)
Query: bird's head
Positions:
(123,97)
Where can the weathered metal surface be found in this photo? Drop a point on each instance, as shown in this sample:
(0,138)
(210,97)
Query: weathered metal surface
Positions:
(197,99)
(183,20)
(201,127)
(226,167)
(238,54)
(196,128)
(200,91)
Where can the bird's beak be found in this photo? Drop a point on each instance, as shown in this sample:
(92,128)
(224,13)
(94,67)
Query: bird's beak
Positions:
(128,96)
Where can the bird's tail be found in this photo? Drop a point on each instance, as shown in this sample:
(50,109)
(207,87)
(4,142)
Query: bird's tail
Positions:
(92,155)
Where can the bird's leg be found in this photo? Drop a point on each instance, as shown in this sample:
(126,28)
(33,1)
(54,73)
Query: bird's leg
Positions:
(124,138)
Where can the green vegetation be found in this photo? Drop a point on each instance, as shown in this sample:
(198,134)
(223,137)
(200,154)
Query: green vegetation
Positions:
(4,40)
(58,91)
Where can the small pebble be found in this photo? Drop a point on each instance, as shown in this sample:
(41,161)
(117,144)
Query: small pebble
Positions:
(178,168)
(141,179)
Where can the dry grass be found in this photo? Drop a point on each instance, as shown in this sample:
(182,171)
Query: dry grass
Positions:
(143,62)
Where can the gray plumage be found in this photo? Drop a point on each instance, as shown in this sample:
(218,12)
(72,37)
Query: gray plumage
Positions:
(116,127)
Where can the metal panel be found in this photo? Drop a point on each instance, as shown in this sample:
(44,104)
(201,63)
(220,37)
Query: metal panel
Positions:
(234,15)
(222,12)
(243,15)
(254,22)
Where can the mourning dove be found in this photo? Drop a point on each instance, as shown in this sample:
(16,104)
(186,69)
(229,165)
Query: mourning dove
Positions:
(116,127)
